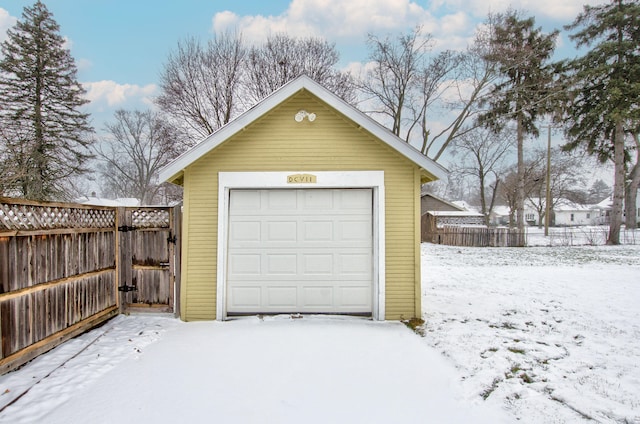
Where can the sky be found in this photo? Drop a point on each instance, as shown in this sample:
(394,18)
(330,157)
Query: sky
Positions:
(120,46)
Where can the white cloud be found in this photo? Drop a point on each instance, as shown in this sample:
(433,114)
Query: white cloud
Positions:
(329,18)
(341,21)
(561,10)
(112,94)
(6,22)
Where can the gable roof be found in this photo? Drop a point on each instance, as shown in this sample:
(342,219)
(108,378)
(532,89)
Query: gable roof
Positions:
(445,202)
(172,171)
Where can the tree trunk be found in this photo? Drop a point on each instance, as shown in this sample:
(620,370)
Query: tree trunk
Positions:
(631,193)
(521,172)
(618,184)
(483,200)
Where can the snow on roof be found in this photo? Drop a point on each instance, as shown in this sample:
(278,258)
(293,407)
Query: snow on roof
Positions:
(464,205)
(99,201)
(454,213)
(501,210)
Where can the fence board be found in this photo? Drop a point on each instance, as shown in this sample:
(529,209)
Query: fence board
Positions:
(61,265)
(454,235)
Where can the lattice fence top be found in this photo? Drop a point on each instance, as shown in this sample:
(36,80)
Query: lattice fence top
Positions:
(33,217)
(150,218)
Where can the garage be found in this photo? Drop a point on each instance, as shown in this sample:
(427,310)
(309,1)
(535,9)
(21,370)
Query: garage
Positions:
(300,251)
(302,204)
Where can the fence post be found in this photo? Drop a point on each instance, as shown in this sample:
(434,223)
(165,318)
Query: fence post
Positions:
(177,257)
(124,262)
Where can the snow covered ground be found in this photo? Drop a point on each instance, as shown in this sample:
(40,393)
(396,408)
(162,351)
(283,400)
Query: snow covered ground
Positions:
(142,369)
(550,333)
(530,335)
(578,236)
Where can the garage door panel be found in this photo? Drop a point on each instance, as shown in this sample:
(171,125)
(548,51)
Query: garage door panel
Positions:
(281,199)
(307,251)
(318,264)
(245,264)
(282,231)
(355,264)
(246,200)
(243,231)
(314,200)
(318,231)
(245,297)
(282,296)
(355,199)
(318,296)
(354,230)
(354,296)
(282,264)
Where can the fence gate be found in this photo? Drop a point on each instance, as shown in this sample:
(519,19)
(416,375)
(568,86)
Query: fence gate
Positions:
(149,262)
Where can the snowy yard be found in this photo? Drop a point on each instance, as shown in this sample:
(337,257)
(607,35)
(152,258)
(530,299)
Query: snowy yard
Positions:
(530,335)
(552,334)
(142,369)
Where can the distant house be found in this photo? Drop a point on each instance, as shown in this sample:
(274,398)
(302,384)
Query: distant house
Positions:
(568,214)
(500,215)
(431,202)
(565,213)
(437,212)
(602,211)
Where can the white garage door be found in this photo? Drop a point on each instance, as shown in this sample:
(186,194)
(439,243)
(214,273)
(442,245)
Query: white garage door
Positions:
(297,250)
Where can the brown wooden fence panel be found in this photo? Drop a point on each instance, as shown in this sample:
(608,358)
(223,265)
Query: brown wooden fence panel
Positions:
(65,268)
(454,235)
(57,275)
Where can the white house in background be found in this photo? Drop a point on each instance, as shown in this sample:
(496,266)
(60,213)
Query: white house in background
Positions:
(603,210)
(567,213)
(500,215)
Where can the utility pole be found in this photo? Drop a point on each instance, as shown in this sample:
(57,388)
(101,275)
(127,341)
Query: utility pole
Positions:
(547,212)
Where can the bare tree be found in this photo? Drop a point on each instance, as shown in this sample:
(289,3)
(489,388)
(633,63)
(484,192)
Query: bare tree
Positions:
(200,83)
(480,154)
(283,58)
(566,180)
(205,86)
(140,143)
(409,87)
(510,185)
(392,82)
(470,82)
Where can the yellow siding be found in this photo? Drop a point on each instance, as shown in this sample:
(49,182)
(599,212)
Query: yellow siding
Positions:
(276,142)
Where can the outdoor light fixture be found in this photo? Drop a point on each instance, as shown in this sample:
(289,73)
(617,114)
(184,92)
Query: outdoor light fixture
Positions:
(302,114)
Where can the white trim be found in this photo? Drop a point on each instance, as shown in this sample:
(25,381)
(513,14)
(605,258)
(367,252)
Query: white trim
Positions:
(174,168)
(341,179)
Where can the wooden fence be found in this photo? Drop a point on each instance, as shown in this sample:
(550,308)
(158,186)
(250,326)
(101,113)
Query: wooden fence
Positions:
(454,235)
(66,268)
